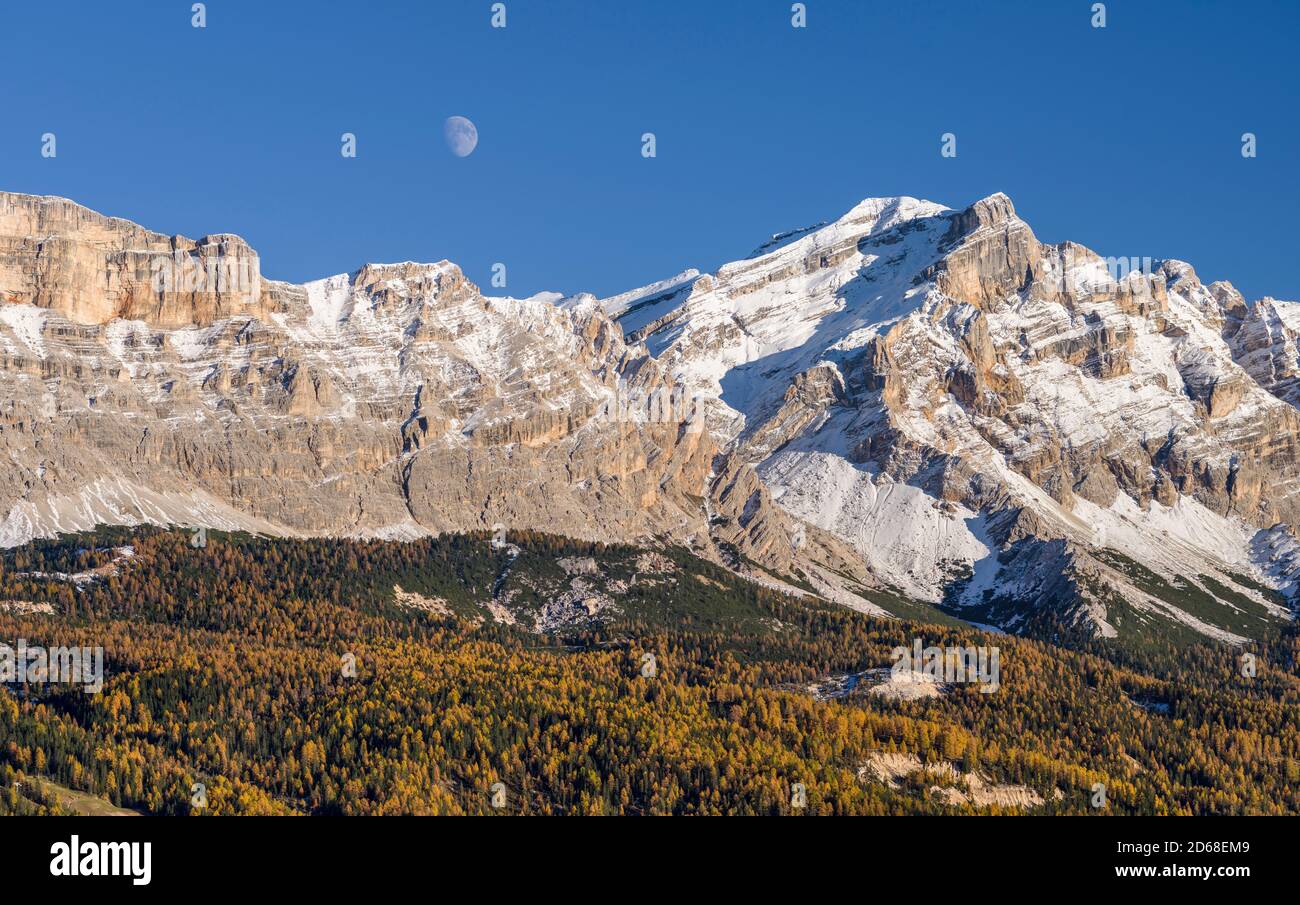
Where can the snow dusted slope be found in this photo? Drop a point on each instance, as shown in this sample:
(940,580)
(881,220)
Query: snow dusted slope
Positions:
(1005,425)
(741,334)
(639,307)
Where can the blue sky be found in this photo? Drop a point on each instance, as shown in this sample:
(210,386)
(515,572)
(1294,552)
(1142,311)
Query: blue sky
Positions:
(1127,139)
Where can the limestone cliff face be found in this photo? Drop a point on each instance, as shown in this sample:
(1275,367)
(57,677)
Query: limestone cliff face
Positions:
(90,269)
(148,378)
(1052,356)
(1265,340)
(1087,381)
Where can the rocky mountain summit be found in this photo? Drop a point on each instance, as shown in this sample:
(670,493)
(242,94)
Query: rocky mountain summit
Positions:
(909,402)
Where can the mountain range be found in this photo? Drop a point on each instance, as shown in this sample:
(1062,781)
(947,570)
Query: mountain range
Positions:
(909,409)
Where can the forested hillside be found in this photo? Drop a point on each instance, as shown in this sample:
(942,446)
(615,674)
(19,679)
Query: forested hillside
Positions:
(541,675)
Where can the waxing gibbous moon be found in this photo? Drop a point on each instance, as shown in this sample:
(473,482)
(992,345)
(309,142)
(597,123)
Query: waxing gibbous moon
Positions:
(461,135)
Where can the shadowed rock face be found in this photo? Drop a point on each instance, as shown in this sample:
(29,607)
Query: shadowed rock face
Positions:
(148,378)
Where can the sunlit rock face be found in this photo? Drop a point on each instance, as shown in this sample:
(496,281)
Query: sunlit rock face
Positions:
(148,378)
(91,269)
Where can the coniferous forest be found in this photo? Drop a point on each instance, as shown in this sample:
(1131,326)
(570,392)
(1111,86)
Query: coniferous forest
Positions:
(270,676)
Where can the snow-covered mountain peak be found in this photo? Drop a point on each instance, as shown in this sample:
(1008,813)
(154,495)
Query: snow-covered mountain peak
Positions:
(812,295)
(887,211)
(937,387)
(870,217)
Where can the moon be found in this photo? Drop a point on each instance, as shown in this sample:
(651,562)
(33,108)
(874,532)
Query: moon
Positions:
(461,135)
